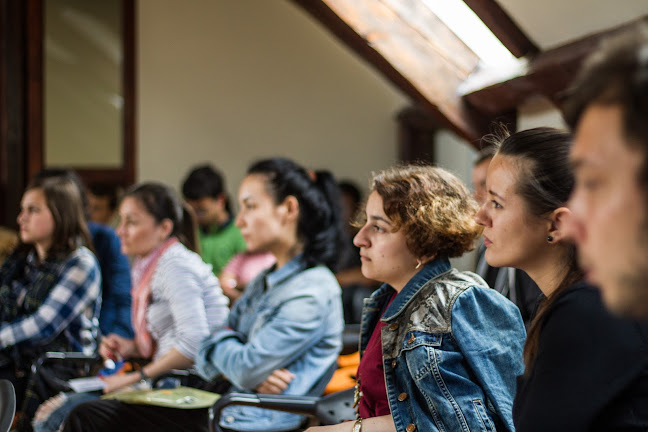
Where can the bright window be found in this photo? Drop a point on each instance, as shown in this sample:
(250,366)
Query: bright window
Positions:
(473,32)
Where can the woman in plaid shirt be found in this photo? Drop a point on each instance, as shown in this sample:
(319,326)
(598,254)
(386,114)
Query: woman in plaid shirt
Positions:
(49,285)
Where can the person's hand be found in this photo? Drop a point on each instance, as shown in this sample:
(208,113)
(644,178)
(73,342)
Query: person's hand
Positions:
(229,285)
(116,382)
(109,348)
(276,383)
(115,347)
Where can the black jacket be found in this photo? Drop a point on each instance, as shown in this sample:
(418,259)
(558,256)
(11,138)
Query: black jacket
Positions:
(591,371)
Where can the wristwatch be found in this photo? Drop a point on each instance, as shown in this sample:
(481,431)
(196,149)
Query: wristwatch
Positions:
(143,376)
(357,426)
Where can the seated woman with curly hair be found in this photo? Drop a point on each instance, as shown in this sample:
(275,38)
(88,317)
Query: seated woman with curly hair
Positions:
(440,351)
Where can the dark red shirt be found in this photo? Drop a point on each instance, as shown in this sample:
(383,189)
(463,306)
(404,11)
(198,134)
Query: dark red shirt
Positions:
(371,374)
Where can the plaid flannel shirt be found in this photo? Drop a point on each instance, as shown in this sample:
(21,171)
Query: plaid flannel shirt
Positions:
(72,306)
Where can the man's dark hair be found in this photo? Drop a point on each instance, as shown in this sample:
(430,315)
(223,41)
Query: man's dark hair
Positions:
(617,75)
(203,182)
(349,189)
(105,190)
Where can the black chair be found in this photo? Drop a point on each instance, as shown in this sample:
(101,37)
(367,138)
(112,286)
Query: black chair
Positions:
(325,410)
(353,300)
(350,338)
(7,405)
(53,369)
(88,360)
(88,365)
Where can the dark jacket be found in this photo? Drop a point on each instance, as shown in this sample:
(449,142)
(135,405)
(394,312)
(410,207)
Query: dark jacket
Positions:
(591,371)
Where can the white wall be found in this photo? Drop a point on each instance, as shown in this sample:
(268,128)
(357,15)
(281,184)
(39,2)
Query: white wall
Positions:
(231,81)
(539,111)
(456,155)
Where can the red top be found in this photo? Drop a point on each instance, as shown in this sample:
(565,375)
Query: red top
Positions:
(371,374)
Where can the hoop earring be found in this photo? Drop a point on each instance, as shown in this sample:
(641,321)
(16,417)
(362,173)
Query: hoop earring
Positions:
(418,265)
(549,239)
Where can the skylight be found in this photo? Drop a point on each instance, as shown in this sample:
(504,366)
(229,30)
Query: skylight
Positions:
(473,32)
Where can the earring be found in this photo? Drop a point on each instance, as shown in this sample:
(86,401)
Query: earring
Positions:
(418,264)
(549,239)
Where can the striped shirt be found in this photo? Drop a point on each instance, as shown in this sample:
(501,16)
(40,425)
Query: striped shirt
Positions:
(187,303)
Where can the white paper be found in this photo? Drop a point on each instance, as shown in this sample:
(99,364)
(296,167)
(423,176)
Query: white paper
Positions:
(82,385)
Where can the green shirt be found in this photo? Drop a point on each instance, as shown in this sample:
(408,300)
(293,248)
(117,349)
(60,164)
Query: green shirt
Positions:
(220,244)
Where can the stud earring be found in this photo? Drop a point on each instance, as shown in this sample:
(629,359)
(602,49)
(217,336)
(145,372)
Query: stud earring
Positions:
(549,239)
(418,264)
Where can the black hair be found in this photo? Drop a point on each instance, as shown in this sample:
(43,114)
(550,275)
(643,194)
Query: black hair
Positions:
(161,202)
(545,182)
(105,190)
(205,181)
(548,180)
(350,189)
(319,225)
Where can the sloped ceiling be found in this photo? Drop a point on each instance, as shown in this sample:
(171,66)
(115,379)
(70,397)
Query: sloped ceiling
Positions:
(551,23)
(554,35)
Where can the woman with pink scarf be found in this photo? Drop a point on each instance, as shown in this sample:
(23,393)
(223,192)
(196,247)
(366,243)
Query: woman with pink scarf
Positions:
(177,301)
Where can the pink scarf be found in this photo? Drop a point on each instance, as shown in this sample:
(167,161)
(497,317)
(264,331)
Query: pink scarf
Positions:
(142,273)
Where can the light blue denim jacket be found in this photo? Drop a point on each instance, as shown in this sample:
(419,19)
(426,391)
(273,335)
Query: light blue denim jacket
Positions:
(289,318)
(452,349)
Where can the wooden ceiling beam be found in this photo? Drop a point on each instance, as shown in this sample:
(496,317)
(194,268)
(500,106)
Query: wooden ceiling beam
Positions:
(503,27)
(549,74)
(410,56)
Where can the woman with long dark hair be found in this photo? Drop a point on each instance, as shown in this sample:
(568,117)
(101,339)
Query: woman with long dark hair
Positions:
(585,370)
(284,333)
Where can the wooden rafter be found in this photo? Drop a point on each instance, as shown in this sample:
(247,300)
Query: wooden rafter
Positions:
(503,27)
(12,109)
(549,74)
(426,61)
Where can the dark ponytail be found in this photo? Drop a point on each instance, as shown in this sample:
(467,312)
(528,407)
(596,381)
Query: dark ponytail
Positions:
(545,183)
(187,231)
(319,225)
(162,203)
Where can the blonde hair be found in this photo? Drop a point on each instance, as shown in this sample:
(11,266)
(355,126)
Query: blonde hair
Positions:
(433,208)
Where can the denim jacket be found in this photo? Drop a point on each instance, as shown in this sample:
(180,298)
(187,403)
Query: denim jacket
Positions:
(289,318)
(452,349)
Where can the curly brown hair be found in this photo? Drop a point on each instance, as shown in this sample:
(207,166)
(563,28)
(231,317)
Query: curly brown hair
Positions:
(432,206)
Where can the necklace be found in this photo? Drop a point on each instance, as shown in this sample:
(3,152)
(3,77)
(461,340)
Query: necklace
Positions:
(357,394)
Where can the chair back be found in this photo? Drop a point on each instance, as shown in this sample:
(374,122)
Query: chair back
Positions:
(332,409)
(335,408)
(7,405)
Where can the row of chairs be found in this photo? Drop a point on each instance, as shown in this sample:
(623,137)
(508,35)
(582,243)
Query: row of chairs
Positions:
(329,409)
(325,410)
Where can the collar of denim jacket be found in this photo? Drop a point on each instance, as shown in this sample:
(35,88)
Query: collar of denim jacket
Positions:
(288,270)
(431,270)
